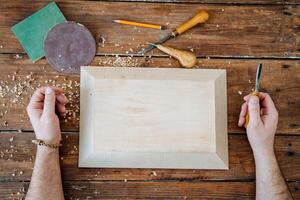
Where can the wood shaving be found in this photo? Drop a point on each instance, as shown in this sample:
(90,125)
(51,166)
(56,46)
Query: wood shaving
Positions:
(240,93)
(11,139)
(76,187)
(80,24)
(153,173)
(102,42)
(17,56)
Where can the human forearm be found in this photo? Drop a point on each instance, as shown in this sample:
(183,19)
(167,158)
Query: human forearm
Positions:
(270,183)
(261,129)
(46,177)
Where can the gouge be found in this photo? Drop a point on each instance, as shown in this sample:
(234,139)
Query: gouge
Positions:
(200,17)
(256,91)
(186,58)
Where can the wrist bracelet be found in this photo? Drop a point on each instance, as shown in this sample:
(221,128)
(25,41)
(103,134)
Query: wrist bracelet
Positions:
(43,143)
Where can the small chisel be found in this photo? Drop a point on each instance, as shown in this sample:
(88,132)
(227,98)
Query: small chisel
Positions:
(256,91)
(200,17)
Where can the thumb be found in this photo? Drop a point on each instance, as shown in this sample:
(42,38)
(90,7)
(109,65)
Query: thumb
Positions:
(254,111)
(49,102)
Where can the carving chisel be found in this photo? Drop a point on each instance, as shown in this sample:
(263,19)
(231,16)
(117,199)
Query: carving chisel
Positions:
(256,91)
(200,17)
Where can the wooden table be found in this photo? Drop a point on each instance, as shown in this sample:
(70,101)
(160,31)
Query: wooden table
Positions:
(239,35)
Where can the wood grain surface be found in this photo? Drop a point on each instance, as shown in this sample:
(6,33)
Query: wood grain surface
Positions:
(161,118)
(18,156)
(232,31)
(280,78)
(147,190)
(239,35)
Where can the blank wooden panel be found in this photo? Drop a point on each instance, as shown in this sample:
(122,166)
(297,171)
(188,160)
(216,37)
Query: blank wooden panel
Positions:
(153,118)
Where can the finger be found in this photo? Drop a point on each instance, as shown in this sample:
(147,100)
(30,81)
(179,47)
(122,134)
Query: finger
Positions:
(61,109)
(243,113)
(254,110)
(56,89)
(35,104)
(246,98)
(37,97)
(62,99)
(267,103)
(49,102)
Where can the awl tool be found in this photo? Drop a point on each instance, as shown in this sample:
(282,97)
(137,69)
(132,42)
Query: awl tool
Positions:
(200,17)
(256,91)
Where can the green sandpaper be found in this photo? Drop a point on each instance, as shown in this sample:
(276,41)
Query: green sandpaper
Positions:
(32,31)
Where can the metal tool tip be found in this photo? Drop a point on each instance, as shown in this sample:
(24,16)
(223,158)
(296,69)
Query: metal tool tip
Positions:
(151,44)
(163,27)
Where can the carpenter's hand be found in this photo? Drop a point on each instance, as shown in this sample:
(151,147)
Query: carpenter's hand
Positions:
(262,124)
(41,111)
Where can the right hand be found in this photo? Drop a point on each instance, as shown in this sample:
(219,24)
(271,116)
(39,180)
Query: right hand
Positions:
(262,124)
(41,111)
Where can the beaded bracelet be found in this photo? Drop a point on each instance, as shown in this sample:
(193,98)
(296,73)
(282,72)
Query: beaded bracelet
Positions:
(43,143)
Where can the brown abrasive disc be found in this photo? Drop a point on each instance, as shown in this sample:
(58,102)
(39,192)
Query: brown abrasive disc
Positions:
(68,46)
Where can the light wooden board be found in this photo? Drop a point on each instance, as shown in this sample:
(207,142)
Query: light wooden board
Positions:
(153,118)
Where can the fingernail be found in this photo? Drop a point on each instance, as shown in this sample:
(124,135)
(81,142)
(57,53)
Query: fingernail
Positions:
(254,100)
(49,90)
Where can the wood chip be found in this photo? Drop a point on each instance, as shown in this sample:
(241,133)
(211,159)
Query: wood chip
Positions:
(153,173)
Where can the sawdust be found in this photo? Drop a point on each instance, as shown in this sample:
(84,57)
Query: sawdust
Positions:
(16,90)
(118,61)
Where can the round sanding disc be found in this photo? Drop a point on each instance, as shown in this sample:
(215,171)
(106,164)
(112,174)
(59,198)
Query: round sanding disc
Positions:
(68,46)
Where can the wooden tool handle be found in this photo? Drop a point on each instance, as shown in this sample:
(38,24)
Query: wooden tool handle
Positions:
(255,93)
(186,58)
(201,17)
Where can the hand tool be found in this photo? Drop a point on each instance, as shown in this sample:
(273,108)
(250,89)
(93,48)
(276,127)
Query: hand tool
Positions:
(145,25)
(200,17)
(256,91)
(186,58)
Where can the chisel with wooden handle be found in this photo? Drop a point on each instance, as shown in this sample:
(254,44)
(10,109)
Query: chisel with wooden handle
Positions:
(200,17)
(256,91)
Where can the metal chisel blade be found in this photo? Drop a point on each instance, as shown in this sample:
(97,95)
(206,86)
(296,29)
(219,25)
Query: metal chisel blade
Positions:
(150,47)
(258,76)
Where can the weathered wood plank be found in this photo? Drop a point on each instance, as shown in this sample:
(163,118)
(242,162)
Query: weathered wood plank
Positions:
(235,2)
(17,156)
(253,31)
(147,190)
(280,78)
